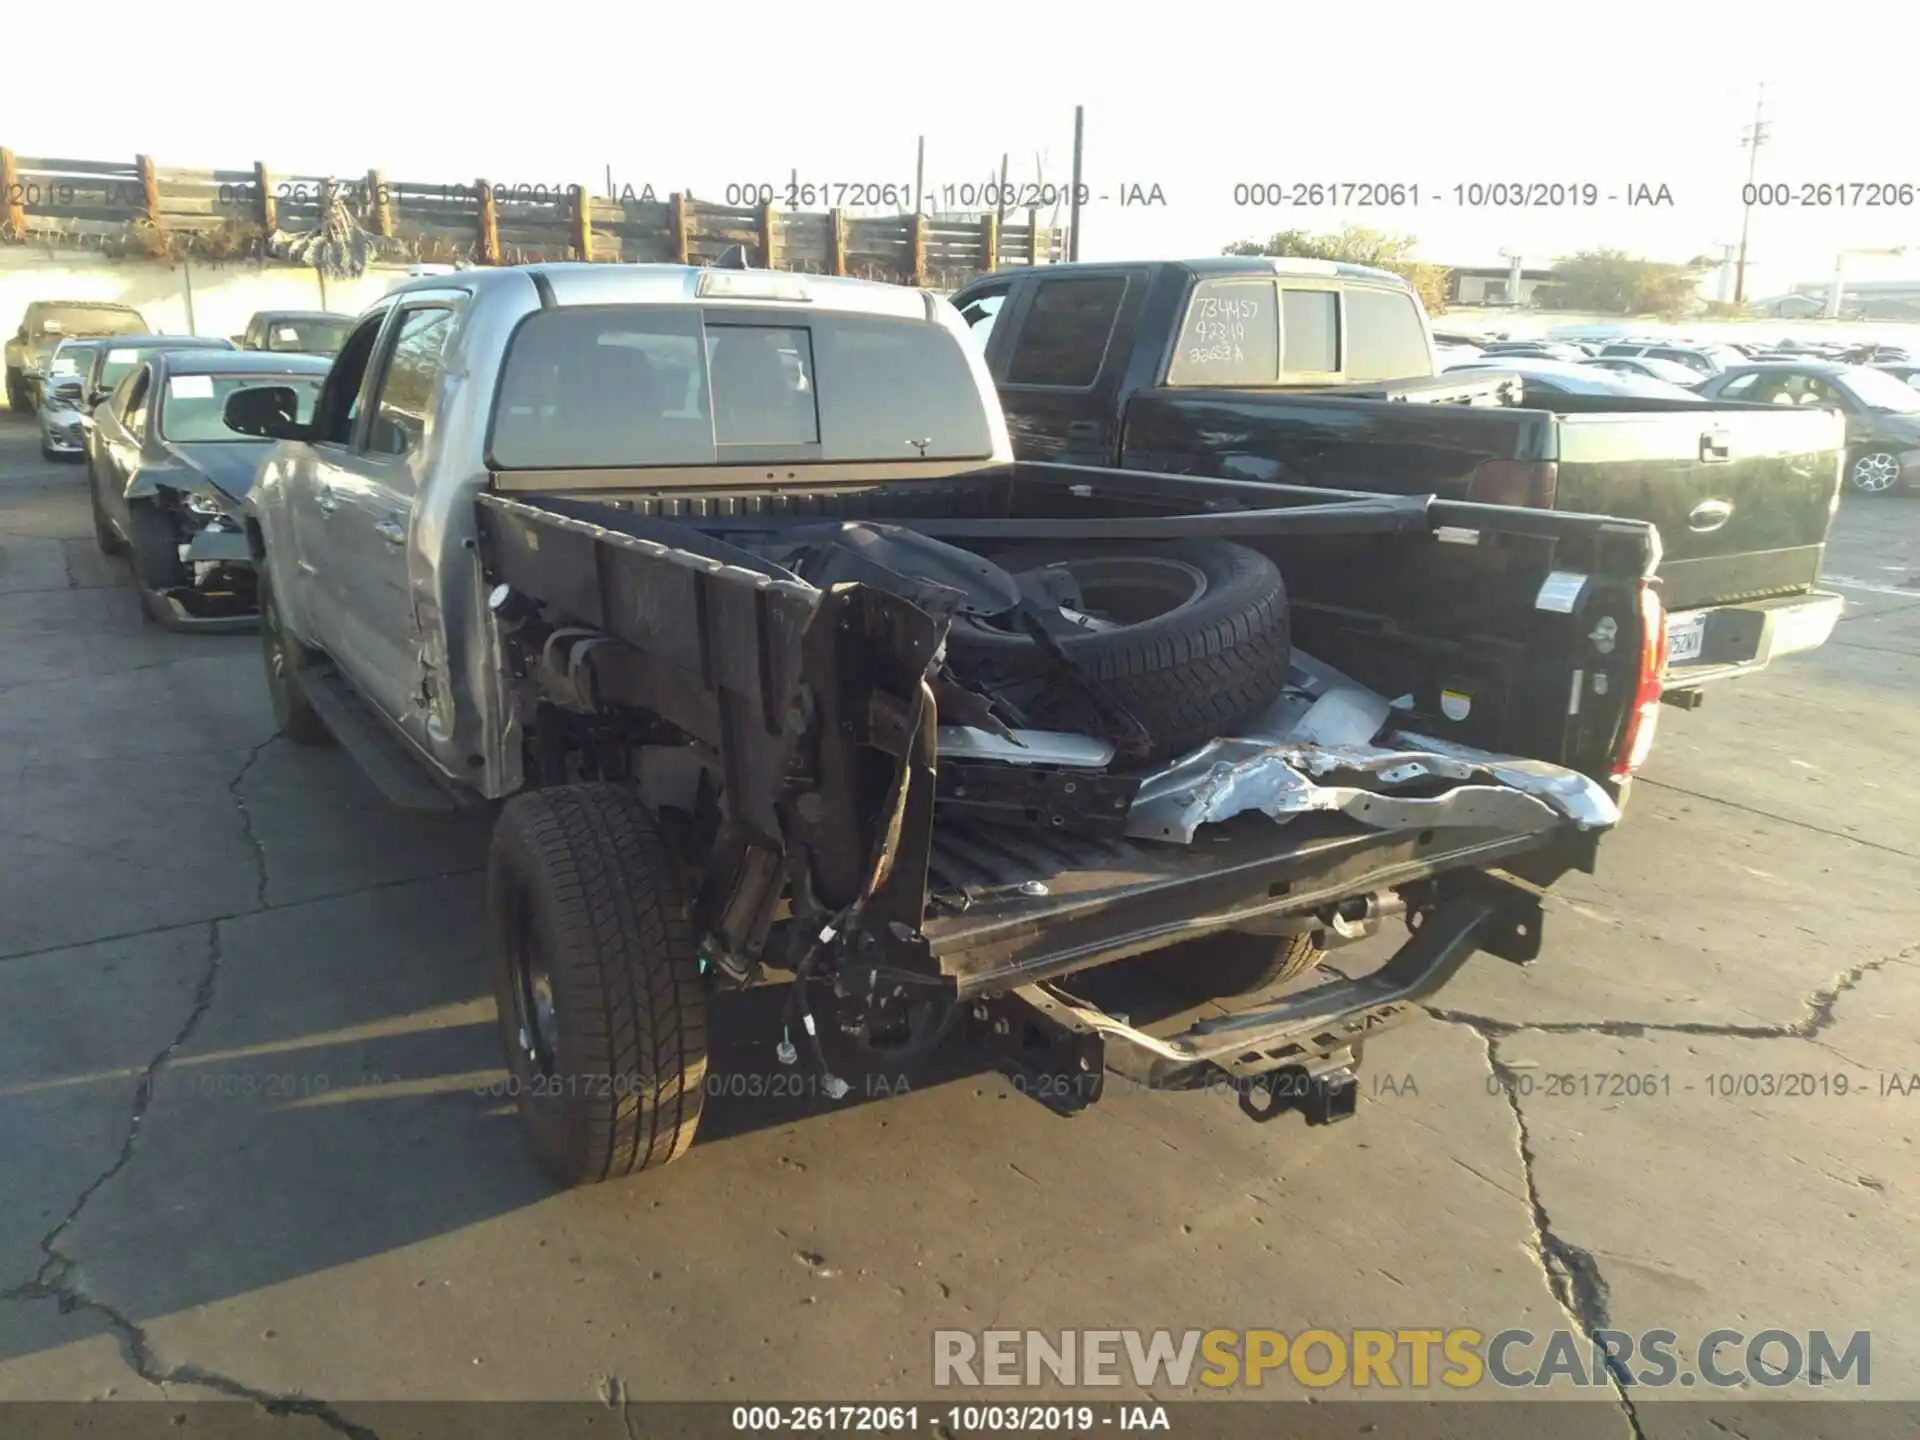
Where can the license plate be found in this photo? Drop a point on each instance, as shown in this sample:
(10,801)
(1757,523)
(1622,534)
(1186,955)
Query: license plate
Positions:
(1685,638)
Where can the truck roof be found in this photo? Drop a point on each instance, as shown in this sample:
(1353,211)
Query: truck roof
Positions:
(81,305)
(564,283)
(302,314)
(198,361)
(1211,266)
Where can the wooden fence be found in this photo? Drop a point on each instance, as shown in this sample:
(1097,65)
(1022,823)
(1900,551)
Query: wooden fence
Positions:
(140,208)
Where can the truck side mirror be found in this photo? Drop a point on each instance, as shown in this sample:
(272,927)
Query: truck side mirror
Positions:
(268,411)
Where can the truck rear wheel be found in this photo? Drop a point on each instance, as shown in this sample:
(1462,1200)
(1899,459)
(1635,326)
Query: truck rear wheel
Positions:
(1233,962)
(601,1007)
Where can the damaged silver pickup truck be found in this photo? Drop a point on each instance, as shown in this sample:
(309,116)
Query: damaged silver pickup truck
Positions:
(724,581)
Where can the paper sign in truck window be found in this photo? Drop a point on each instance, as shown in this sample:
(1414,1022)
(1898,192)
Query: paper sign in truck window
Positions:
(190,387)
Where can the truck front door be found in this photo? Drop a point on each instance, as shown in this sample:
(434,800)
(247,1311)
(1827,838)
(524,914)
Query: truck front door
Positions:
(374,485)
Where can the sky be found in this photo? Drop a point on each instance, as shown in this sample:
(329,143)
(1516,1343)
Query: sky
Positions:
(1194,100)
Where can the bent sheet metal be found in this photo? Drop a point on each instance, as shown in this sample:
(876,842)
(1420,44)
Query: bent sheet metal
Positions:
(1326,725)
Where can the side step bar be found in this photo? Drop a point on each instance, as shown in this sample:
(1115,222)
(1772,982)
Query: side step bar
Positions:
(387,759)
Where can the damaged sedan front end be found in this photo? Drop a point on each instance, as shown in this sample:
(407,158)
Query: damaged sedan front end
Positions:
(170,479)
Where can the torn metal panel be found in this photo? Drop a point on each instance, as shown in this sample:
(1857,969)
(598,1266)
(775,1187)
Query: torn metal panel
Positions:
(1325,726)
(1580,799)
(1230,777)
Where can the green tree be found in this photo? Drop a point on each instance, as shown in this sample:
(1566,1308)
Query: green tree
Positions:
(1614,283)
(1357,245)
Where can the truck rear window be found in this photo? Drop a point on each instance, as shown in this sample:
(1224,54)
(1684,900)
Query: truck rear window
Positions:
(1385,339)
(86,320)
(631,386)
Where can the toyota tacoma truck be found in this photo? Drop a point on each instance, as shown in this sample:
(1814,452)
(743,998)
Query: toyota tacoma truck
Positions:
(1315,373)
(726,584)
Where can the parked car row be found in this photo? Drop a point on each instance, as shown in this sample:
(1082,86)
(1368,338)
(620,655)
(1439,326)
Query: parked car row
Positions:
(1703,357)
(1879,401)
(49,324)
(166,477)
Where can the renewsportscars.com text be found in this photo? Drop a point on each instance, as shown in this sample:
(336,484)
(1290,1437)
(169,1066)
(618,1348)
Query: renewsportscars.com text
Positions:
(1458,1358)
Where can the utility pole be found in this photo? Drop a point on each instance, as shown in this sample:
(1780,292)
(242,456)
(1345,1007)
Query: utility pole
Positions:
(919,174)
(1726,268)
(1073,222)
(1755,137)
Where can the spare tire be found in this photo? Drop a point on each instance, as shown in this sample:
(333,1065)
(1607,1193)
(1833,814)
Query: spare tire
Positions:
(1190,637)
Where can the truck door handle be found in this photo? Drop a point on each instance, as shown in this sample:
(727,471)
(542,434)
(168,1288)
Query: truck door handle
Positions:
(1715,448)
(325,500)
(391,531)
(1708,516)
(1083,430)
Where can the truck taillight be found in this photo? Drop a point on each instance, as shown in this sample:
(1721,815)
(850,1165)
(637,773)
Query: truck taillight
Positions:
(1636,740)
(1529,483)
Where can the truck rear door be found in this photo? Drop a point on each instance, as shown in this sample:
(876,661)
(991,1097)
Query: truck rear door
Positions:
(1742,495)
(1058,352)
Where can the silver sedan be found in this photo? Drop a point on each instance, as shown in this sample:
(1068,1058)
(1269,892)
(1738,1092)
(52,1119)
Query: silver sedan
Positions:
(61,394)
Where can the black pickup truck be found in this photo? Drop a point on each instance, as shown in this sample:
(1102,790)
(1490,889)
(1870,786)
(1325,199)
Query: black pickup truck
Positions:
(1307,372)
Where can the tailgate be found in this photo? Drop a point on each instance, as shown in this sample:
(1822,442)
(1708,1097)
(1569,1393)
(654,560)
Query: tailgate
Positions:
(1742,495)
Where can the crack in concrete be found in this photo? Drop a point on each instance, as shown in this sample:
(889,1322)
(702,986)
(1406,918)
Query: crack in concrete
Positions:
(43,681)
(1819,1004)
(284,905)
(1572,1274)
(50,1281)
(1779,819)
(615,1396)
(246,823)
(1876,649)
(56,1281)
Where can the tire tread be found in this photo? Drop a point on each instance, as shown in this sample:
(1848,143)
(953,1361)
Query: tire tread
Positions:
(624,972)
